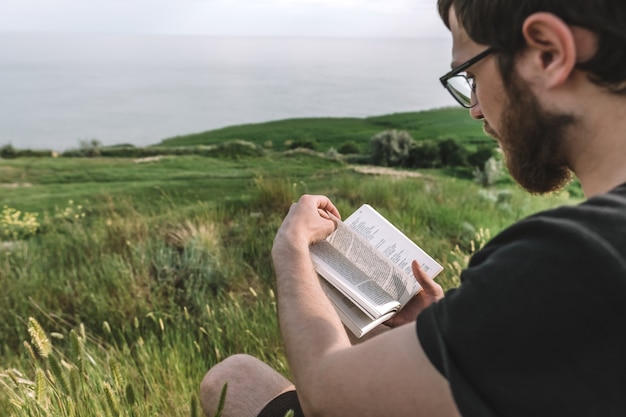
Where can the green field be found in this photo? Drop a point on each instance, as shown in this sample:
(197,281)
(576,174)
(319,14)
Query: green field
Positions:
(140,275)
(332,132)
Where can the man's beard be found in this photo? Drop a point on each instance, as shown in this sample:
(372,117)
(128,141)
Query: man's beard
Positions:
(532,140)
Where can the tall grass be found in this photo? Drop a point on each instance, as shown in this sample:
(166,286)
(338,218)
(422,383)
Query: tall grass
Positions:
(149,366)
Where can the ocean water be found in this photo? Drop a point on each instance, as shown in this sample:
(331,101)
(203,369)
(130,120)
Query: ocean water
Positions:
(59,89)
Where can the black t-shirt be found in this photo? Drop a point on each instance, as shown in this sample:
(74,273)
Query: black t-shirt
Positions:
(538,325)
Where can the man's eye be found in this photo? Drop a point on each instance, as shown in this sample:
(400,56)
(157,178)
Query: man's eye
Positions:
(471,82)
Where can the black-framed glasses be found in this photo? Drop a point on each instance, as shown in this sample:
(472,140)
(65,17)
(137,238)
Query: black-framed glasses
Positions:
(460,85)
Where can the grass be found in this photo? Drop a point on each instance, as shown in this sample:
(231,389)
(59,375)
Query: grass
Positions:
(151,365)
(139,277)
(172,181)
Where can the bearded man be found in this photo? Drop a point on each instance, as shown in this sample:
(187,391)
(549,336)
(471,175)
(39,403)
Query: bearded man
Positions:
(534,327)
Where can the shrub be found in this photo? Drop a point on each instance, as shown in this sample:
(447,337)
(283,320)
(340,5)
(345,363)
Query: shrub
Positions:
(303,143)
(452,153)
(8,152)
(491,172)
(90,148)
(189,267)
(480,156)
(391,147)
(349,148)
(86,148)
(333,154)
(424,155)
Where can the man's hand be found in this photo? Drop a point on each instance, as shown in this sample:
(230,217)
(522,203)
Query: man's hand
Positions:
(309,220)
(431,292)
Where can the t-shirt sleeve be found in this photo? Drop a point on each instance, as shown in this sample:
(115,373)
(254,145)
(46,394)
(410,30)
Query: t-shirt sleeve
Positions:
(536,327)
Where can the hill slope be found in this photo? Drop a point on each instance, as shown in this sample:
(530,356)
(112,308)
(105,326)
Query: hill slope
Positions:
(332,132)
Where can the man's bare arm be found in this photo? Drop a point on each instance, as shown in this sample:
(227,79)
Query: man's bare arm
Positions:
(387,375)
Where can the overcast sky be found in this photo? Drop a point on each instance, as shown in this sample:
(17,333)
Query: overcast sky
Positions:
(352,18)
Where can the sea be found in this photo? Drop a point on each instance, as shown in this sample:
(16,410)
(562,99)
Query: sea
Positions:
(57,90)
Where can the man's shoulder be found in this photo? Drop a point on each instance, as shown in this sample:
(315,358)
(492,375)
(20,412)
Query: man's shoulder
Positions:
(600,218)
(604,214)
(595,228)
(612,203)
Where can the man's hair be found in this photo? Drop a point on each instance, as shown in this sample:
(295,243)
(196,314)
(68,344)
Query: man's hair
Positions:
(498,23)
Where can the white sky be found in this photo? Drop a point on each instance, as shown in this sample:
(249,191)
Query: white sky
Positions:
(352,18)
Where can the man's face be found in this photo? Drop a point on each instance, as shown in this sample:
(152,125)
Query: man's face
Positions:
(531,137)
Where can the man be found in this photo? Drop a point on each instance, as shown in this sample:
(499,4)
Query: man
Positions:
(535,329)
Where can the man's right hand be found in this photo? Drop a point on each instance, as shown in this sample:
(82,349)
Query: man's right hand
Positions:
(431,292)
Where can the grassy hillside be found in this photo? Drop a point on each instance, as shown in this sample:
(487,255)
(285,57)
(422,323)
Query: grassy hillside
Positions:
(332,132)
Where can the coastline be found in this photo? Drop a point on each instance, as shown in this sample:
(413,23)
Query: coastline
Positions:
(326,131)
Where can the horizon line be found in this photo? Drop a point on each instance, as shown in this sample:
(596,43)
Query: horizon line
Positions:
(216,35)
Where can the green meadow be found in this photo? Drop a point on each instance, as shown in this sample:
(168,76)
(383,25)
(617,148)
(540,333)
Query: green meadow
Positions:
(124,279)
(447,122)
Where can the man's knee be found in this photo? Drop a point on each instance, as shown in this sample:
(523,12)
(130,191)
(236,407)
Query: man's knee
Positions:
(227,372)
(251,383)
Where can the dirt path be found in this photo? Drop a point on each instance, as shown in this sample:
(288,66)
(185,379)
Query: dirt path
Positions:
(16,185)
(376,170)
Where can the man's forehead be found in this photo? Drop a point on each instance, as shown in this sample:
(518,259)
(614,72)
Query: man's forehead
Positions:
(462,45)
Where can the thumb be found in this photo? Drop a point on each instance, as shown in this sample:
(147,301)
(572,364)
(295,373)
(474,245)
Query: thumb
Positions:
(427,283)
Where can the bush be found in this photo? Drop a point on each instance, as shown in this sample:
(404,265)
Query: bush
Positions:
(304,143)
(8,152)
(452,153)
(491,172)
(391,147)
(480,156)
(188,268)
(333,154)
(347,148)
(90,148)
(424,155)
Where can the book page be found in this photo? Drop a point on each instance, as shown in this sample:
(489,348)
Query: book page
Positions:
(361,253)
(391,242)
(353,281)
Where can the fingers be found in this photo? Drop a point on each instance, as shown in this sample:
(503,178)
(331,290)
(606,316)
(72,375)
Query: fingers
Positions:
(309,220)
(319,203)
(322,203)
(427,283)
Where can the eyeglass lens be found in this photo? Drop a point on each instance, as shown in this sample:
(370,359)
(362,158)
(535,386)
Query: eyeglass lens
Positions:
(461,89)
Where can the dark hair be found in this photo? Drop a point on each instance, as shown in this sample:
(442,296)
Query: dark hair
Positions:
(498,23)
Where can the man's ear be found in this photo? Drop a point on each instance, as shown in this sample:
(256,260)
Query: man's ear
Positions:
(551,48)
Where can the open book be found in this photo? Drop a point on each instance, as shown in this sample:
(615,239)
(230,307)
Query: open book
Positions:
(366,269)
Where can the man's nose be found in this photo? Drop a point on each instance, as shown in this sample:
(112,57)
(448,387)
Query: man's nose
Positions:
(476,112)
